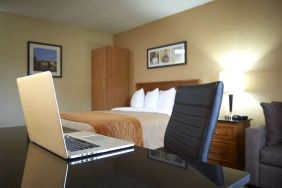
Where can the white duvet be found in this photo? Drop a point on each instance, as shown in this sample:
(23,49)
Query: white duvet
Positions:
(131,109)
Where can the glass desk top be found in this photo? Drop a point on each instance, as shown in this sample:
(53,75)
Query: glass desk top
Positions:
(24,164)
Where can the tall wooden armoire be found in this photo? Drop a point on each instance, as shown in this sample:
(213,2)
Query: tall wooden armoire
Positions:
(110,78)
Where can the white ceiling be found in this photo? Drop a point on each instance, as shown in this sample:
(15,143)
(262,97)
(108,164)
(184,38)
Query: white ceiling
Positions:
(109,16)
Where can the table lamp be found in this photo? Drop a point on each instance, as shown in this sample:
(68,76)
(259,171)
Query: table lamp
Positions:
(233,83)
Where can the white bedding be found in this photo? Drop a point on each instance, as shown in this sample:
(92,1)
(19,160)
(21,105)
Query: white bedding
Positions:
(131,109)
(153,128)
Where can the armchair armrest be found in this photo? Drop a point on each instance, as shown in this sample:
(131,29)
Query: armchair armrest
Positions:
(255,140)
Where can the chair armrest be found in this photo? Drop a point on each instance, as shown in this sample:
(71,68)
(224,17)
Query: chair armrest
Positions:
(255,140)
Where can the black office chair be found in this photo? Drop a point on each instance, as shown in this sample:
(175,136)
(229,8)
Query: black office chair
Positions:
(193,120)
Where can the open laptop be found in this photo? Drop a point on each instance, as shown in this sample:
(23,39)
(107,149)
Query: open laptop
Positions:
(44,127)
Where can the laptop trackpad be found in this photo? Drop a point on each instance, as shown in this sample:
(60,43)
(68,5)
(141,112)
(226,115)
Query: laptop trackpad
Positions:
(94,138)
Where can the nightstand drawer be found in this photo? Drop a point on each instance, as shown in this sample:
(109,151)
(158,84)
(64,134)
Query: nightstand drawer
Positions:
(222,152)
(225,133)
(227,147)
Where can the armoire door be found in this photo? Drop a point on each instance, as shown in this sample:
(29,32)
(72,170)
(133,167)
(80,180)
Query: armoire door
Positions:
(99,79)
(110,78)
(117,77)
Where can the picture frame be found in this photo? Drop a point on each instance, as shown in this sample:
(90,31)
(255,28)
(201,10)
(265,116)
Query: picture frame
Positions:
(44,57)
(166,158)
(167,55)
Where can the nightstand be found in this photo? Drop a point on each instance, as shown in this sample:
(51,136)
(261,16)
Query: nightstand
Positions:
(228,143)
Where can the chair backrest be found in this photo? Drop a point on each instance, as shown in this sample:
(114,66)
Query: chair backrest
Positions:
(193,120)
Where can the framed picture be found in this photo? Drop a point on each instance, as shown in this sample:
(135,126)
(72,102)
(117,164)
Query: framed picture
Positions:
(44,57)
(166,158)
(168,55)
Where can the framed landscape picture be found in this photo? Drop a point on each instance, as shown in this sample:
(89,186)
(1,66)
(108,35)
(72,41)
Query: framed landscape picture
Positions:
(44,57)
(167,55)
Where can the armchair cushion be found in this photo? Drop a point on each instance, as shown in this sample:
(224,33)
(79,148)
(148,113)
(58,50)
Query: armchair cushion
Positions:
(273,119)
(271,155)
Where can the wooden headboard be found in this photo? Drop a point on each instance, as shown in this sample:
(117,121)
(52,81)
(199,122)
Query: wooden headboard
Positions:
(164,85)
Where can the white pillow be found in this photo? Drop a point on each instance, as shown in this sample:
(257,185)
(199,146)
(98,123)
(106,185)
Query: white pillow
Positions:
(137,99)
(151,99)
(166,99)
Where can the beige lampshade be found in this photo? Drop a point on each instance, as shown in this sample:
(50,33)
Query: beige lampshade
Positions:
(233,81)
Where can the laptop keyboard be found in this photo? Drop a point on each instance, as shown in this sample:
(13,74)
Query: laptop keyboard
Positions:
(74,144)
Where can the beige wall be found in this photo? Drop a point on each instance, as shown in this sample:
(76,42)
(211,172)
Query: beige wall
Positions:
(73,89)
(245,33)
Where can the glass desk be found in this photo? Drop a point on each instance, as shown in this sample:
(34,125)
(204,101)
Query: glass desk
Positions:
(24,164)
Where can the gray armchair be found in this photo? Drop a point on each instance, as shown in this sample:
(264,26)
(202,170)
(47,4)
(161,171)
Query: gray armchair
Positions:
(263,162)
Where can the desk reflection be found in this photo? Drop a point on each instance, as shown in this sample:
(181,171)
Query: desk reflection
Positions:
(28,165)
(45,169)
(167,158)
(142,168)
(213,172)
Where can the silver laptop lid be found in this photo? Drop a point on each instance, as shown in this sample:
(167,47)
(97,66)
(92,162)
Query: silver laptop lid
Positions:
(40,108)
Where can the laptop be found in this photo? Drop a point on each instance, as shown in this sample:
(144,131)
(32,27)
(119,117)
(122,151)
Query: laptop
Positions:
(43,122)
(40,162)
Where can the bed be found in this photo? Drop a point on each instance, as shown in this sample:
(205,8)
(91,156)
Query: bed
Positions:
(143,126)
